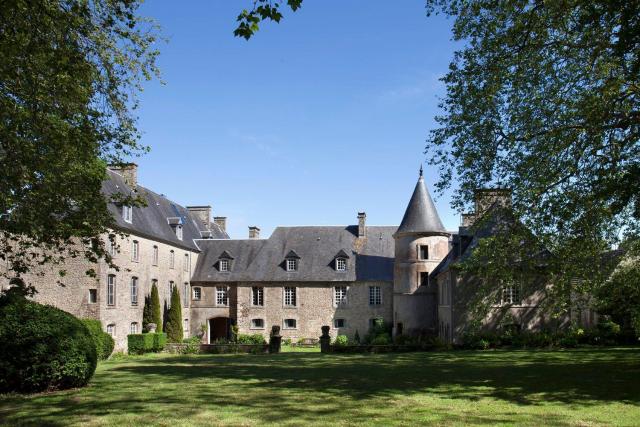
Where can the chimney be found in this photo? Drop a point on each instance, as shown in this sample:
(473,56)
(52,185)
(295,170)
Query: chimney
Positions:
(129,172)
(362,220)
(202,213)
(486,197)
(254,232)
(221,222)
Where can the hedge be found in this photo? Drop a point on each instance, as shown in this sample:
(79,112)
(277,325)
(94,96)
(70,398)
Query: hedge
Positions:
(42,347)
(146,343)
(104,342)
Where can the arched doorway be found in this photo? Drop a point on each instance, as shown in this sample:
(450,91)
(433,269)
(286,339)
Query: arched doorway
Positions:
(219,328)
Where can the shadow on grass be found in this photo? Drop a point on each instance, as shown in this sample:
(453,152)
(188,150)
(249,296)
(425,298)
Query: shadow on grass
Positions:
(309,388)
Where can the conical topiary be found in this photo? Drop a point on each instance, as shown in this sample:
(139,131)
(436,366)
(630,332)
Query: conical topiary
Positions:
(174,318)
(147,313)
(155,308)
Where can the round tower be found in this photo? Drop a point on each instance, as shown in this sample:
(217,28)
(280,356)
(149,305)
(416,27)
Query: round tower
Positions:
(421,242)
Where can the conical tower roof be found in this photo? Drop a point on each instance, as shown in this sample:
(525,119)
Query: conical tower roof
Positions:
(421,215)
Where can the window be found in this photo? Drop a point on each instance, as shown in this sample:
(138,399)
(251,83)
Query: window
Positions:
(197,293)
(289,296)
(179,232)
(424,278)
(134,291)
(111,330)
(375,297)
(222,295)
(185,295)
(338,323)
(111,289)
(154,259)
(224,265)
(135,251)
(257,323)
(257,296)
(339,295)
(423,251)
(133,328)
(111,247)
(93,296)
(292,264)
(171,285)
(511,295)
(290,324)
(341,264)
(185,325)
(127,213)
(172,259)
(185,265)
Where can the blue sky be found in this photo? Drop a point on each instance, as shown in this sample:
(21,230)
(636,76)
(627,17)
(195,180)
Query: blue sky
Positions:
(309,122)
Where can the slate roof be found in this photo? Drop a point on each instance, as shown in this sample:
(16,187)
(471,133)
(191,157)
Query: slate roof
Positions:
(262,260)
(152,221)
(421,214)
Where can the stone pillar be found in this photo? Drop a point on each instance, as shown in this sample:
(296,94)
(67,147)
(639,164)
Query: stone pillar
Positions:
(325,340)
(275,340)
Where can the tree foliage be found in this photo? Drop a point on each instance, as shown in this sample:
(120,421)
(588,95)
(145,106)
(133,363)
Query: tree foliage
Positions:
(544,98)
(619,297)
(249,19)
(147,313)
(69,78)
(155,308)
(174,318)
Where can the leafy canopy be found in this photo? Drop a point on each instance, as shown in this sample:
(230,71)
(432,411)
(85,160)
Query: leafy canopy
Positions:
(69,78)
(262,10)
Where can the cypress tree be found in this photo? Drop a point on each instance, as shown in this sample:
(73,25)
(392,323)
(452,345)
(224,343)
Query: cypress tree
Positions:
(147,313)
(174,321)
(155,308)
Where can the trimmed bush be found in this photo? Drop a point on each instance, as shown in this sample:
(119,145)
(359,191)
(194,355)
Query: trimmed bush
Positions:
(382,339)
(140,343)
(155,308)
(42,347)
(159,341)
(341,340)
(250,339)
(104,342)
(173,328)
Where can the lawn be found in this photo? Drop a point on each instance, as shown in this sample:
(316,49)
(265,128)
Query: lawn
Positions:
(579,387)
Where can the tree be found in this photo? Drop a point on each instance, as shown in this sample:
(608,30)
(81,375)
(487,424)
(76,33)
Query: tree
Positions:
(69,78)
(155,308)
(544,98)
(147,313)
(619,297)
(174,318)
(262,10)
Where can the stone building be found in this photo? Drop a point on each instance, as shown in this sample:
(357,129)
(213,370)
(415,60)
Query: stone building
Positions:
(299,278)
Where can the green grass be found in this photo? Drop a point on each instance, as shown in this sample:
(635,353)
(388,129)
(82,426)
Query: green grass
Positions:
(579,387)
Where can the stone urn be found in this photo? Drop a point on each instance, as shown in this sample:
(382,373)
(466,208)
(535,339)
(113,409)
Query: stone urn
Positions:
(151,327)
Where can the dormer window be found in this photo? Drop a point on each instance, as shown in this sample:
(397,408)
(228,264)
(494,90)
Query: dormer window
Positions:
(291,261)
(224,262)
(340,261)
(176,224)
(127,213)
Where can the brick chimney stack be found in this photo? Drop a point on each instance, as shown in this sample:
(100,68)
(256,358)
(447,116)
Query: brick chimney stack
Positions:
(221,222)
(254,232)
(129,172)
(362,224)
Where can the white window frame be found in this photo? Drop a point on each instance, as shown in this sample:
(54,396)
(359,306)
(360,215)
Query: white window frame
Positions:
(284,324)
(134,291)
(257,294)
(133,328)
(135,251)
(224,265)
(290,296)
(127,213)
(292,264)
(341,264)
(111,247)
(179,232)
(111,290)
(511,295)
(185,325)
(111,330)
(335,323)
(222,296)
(186,263)
(375,295)
(185,295)
(154,256)
(172,259)
(253,325)
(196,293)
(340,295)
